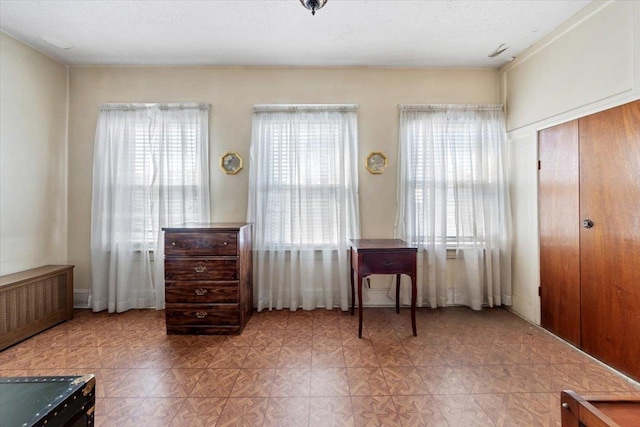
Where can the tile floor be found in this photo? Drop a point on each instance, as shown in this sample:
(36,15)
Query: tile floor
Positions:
(464,368)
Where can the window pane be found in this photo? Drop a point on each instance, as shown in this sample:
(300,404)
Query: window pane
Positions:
(171,152)
(304,161)
(443,163)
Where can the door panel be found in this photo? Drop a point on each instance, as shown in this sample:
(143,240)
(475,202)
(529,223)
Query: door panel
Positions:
(558,181)
(610,250)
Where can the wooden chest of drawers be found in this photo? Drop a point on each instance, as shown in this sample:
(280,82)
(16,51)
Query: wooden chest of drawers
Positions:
(208,278)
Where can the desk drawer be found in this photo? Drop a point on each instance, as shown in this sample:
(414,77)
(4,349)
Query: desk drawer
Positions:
(200,269)
(219,243)
(201,292)
(385,263)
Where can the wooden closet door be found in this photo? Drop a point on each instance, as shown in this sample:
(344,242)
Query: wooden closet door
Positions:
(610,249)
(558,181)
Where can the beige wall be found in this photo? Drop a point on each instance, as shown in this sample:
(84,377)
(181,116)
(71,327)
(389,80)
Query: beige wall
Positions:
(590,63)
(33,158)
(232,93)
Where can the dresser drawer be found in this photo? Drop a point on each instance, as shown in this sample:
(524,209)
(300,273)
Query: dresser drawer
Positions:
(385,263)
(218,243)
(201,292)
(202,314)
(200,269)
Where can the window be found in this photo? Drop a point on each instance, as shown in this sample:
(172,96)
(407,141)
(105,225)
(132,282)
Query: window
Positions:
(150,170)
(301,176)
(454,197)
(303,202)
(449,173)
(305,176)
(453,185)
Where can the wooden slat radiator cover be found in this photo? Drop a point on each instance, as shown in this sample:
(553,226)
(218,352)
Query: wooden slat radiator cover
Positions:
(34,300)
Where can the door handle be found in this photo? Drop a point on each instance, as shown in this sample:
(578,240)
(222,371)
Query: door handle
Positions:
(587,223)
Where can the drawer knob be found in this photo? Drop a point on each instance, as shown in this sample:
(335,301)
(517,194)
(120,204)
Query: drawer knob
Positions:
(201,291)
(387,263)
(225,243)
(565,405)
(200,269)
(173,243)
(201,314)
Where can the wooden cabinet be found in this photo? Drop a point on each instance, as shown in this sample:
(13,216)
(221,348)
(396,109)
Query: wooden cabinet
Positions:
(208,278)
(589,196)
(559,217)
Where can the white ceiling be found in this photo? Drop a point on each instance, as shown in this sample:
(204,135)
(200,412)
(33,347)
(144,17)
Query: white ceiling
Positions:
(394,33)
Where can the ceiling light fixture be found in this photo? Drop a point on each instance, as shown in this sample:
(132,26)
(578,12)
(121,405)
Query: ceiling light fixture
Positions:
(313,5)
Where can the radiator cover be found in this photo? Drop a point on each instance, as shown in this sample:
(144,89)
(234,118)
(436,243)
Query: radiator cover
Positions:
(34,300)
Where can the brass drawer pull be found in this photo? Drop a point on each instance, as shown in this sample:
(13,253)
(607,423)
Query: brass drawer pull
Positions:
(201,291)
(201,314)
(387,263)
(200,269)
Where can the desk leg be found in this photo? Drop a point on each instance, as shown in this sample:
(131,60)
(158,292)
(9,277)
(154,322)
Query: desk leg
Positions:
(353,294)
(359,305)
(398,293)
(414,296)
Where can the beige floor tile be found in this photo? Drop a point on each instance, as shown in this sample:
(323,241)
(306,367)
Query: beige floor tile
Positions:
(253,383)
(199,412)
(262,357)
(177,382)
(215,383)
(360,356)
(462,410)
(229,357)
(243,411)
(287,412)
(291,383)
(294,357)
(404,380)
(331,411)
(418,410)
(329,382)
(375,411)
(325,356)
(367,382)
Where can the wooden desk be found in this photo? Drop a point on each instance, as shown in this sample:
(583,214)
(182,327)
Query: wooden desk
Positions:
(600,411)
(383,256)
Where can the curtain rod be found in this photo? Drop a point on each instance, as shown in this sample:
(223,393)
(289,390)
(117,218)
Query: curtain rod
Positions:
(167,106)
(303,107)
(444,107)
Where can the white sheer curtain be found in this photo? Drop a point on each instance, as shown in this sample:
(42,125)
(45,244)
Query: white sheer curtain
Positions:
(150,170)
(453,198)
(303,200)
